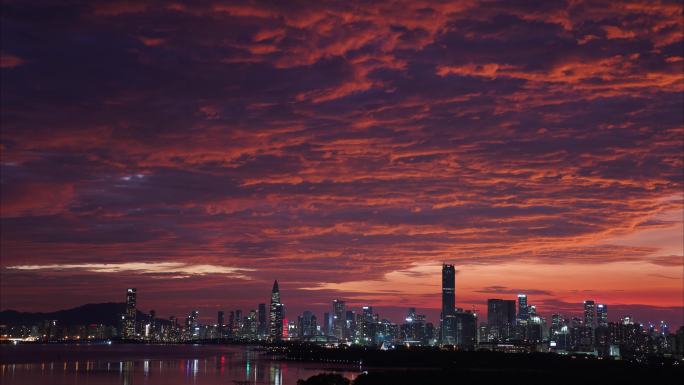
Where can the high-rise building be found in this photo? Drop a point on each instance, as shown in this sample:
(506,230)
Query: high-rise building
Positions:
(500,317)
(465,329)
(557,322)
(251,325)
(349,324)
(602,315)
(220,324)
(338,318)
(130,315)
(276,315)
(230,328)
(448,304)
(589,313)
(415,330)
(327,324)
(523,310)
(367,314)
(192,327)
(262,325)
(411,314)
(306,325)
(153,323)
(238,323)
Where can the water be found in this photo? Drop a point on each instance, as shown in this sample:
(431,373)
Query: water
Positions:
(152,364)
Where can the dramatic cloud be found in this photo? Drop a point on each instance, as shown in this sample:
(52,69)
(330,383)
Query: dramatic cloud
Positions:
(174,270)
(344,148)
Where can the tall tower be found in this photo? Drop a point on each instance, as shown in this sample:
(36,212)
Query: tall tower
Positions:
(602,315)
(589,313)
(262,325)
(448,304)
(129,316)
(523,310)
(276,315)
(220,324)
(338,318)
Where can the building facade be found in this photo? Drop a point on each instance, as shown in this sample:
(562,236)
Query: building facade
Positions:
(276,316)
(129,317)
(447,324)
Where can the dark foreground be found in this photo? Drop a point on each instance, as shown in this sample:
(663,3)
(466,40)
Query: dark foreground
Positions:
(130,364)
(432,366)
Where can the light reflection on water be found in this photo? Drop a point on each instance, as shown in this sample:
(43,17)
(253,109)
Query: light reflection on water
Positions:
(152,365)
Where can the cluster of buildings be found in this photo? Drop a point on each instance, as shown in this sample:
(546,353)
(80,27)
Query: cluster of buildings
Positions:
(512,325)
(515,326)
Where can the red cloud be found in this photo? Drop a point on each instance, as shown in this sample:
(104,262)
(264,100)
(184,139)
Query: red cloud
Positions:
(10,61)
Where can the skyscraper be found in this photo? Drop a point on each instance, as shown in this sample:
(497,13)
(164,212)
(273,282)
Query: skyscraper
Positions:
(500,317)
(367,313)
(276,316)
(262,325)
(589,313)
(306,324)
(465,329)
(220,324)
(130,315)
(192,326)
(556,324)
(602,315)
(523,310)
(338,318)
(251,327)
(327,324)
(411,314)
(448,304)
(237,325)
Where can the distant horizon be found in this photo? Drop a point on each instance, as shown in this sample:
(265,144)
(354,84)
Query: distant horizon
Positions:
(396,312)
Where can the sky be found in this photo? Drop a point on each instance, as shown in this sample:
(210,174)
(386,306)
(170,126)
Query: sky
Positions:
(348,149)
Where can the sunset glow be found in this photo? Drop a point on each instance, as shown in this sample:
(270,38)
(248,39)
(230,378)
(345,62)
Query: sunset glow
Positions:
(345,149)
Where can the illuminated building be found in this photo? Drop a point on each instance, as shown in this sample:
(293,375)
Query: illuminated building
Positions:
(557,323)
(192,327)
(367,313)
(220,324)
(262,324)
(237,324)
(465,329)
(448,305)
(349,324)
(327,324)
(231,324)
(338,321)
(602,315)
(306,325)
(589,314)
(276,315)
(365,326)
(500,318)
(130,315)
(523,310)
(415,331)
(534,330)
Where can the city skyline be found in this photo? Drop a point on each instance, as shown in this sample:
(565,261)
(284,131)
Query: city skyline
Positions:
(347,150)
(516,307)
(507,326)
(640,312)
